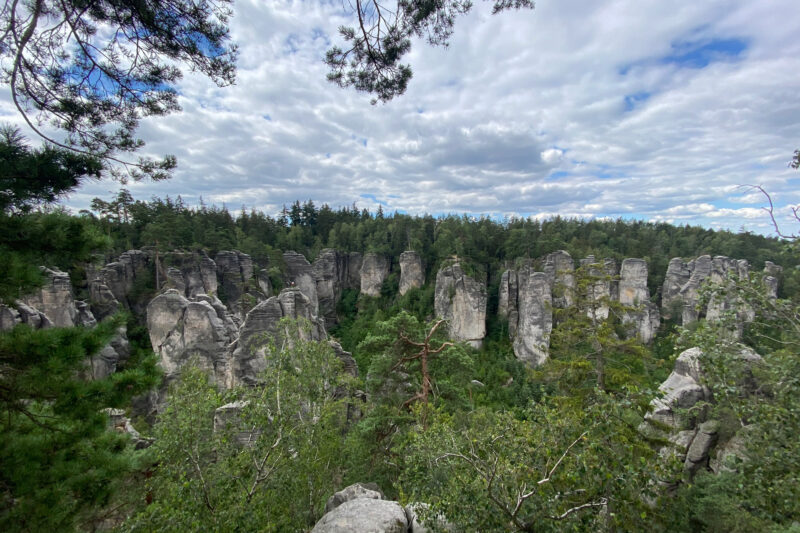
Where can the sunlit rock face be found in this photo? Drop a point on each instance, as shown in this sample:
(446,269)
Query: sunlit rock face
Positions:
(643,316)
(412,273)
(374,270)
(55,299)
(461,300)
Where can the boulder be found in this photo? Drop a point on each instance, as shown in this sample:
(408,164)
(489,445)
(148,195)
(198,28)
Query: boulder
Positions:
(374,269)
(461,300)
(364,515)
(412,273)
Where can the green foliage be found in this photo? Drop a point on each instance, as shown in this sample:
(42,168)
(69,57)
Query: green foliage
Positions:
(555,469)
(61,465)
(268,466)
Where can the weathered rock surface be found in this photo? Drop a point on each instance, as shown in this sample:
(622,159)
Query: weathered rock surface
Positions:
(461,300)
(229,418)
(9,317)
(683,410)
(196,273)
(301,276)
(236,286)
(412,273)
(355,491)
(249,352)
(530,315)
(633,292)
(114,284)
(182,329)
(55,299)
(364,515)
(606,288)
(374,269)
(117,421)
(334,272)
(104,363)
(678,274)
(560,270)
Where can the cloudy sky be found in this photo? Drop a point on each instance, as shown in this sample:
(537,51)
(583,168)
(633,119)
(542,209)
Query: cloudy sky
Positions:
(637,109)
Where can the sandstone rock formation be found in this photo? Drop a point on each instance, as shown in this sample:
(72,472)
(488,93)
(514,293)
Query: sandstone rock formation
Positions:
(334,272)
(55,299)
(461,300)
(374,270)
(196,273)
(182,330)
(526,300)
(633,292)
(682,410)
(249,355)
(364,515)
(113,285)
(301,276)
(412,273)
(236,286)
(606,288)
(560,271)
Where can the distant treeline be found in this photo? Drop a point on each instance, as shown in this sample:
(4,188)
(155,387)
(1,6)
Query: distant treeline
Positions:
(489,245)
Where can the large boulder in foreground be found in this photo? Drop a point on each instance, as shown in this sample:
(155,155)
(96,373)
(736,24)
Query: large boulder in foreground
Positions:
(461,300)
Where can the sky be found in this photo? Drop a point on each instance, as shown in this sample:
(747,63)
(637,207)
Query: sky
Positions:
(640,109)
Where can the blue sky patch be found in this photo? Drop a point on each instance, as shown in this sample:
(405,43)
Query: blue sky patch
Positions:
(696,54)
(374,199)
(632,100)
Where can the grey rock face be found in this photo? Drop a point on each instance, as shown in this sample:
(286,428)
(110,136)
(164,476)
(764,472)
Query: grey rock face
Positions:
(374,270)
(182,330)
(234,273)
(560,270)
(690,293)
(301,276)
(364,515)
(249,354)
(55,299)
(412,274)
(461,301)
(531,338)
(115,282)
(677,276)
(633,292)
(679,409)
(357,490)
(348,362)
(333,272)
(196,273)
(605,288)
(229,418)
(9,317)
(772,273)
(104,363)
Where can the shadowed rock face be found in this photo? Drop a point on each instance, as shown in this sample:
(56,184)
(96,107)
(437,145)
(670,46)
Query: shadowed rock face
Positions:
(374,270)
(461,301)
(236,286)
(412,274)
(261,323)
(196,273)
(690,293)
(334,272)
(114,283)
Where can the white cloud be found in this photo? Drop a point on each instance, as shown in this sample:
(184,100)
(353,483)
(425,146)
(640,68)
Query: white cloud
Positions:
(570,109)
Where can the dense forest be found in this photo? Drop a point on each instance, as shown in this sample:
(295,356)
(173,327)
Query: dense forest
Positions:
(480,439)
